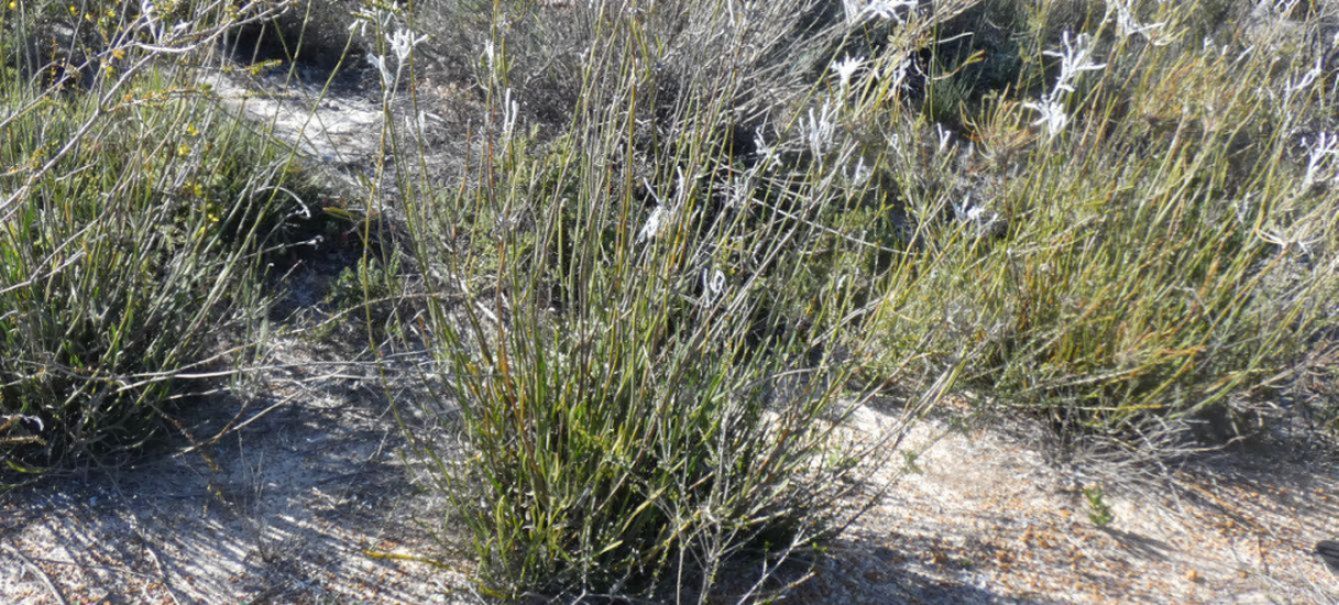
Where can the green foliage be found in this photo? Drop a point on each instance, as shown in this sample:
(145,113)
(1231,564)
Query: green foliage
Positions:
(647,333)
(130,241)
(608,303)
(1099,512)
(1162,255)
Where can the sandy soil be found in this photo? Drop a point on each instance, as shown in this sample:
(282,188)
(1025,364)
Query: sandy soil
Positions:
(984,517)
(309,503)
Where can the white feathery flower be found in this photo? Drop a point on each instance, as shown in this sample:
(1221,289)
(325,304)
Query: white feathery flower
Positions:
(379,62)
(1053,116)
(510,110)
(739,191)
(859,11)
(821,128)
(846,68)
(1075,58)
(898,78)
(713,284)
(377,15)
(1127,25)
(1320,164)
(1306,80)
(403,42)
(768,157)
(653,224)
(860,174)
(661,213)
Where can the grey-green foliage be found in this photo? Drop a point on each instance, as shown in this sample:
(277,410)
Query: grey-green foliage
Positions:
(1164,253)
(132,235)
(647,359)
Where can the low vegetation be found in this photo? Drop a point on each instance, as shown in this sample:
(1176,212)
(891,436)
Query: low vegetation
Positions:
(136,219)
(688,239)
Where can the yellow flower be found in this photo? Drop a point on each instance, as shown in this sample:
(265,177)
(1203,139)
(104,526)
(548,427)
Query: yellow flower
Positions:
(119,54)
(184,150)
(74,10)
(192,130)
(13,5)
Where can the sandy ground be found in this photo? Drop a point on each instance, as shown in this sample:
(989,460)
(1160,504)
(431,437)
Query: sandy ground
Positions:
(984,517)
(309,503)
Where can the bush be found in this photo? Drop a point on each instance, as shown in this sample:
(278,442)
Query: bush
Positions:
(132,234)
(648,362)
(1164,251)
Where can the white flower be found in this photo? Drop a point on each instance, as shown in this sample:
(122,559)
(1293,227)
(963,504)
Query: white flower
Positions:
(379,62)
(861,173)
(403,43)
(1053,116)
(985,221)
(898,77)
(510,110)
(821,128)
(1127,25)
(1320,159)
(859,11)
(767,153)
(846,68)
(713,284)
(653,223)
(1306,80)
(378,15)
(1075,58)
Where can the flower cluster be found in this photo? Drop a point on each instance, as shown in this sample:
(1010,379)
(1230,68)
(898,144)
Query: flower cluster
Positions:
(860,11)
(1320,162)
(1127,25)
(1076,57)
(821,128)
(401,42)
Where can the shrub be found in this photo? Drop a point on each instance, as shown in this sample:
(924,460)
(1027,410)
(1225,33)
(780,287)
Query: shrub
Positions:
(647,360)
(132,230)
(1164,248)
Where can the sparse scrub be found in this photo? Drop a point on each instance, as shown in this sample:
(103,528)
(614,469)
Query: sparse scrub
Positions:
(648,330)
(1065,226)
(686,241)
(134,223)
(1167,228)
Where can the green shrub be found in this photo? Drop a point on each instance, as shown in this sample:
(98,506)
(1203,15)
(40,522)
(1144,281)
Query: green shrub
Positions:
(131,240)
(646,323)
(1162,256)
